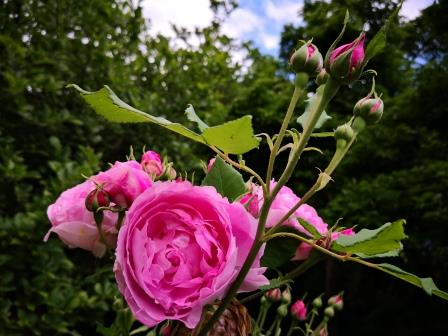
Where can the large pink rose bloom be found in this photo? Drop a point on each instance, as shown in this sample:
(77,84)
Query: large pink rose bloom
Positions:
(75,225)
(283,202)
(124,182)
(180,248)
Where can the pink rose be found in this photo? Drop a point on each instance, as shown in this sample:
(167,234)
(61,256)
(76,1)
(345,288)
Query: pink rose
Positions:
(124,182)
(180,248)
(298,310)
(152,164)
(75,225)
(283,202)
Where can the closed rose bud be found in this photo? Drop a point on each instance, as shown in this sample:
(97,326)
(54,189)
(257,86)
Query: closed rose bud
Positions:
(274,295)
(306,59)
(170,173)
(336,301)
(343,135)
(97,198)
(369,109)
(152,164)
(286,296)
(282,311)
(346,62)
(317,302)
(299,311)
(329,311)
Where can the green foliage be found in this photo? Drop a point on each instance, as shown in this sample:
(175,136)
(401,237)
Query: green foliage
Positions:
(234,137)
(227,181)
(382,242)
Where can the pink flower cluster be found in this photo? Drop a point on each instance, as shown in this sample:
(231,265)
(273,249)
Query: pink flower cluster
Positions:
(180,246)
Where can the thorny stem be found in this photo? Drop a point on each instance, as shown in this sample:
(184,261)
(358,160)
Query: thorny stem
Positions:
(298,90)
(330,90)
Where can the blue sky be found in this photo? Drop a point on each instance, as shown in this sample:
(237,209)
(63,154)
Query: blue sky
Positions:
(258,20)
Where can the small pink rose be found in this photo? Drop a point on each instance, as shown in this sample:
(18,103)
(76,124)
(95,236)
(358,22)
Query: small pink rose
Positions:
(180,248)
(152,164)
(275,294)
(299,311)
(124,182)
(75,225)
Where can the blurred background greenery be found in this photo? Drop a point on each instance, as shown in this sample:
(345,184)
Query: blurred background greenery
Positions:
(49,137)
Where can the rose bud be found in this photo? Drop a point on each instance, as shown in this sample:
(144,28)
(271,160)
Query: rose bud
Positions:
(298,310)
(282,311)
(346,62)
(336,302)
(170,172)
(343,135)
(274,295)
(329,311)
(369,109)
(306,59)
(317,302)
(152,164)
(286,296)
(97,198)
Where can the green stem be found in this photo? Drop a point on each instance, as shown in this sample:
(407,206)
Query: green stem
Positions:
(263,318)
(298,90)
(330,90)
(332,165)
(292,326)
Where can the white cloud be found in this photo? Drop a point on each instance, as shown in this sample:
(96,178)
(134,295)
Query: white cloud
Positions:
(411,8)
(241,22)
(270,41)
(188,14)
(282,11)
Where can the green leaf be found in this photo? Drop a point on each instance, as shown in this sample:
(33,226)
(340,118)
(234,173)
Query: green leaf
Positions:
(303,119)
(192,116)
(236,136)
(382,242)
(227,181)
(310,228)
(233,137)
(378,42)
(107,104)
(280,250)
(427,284)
